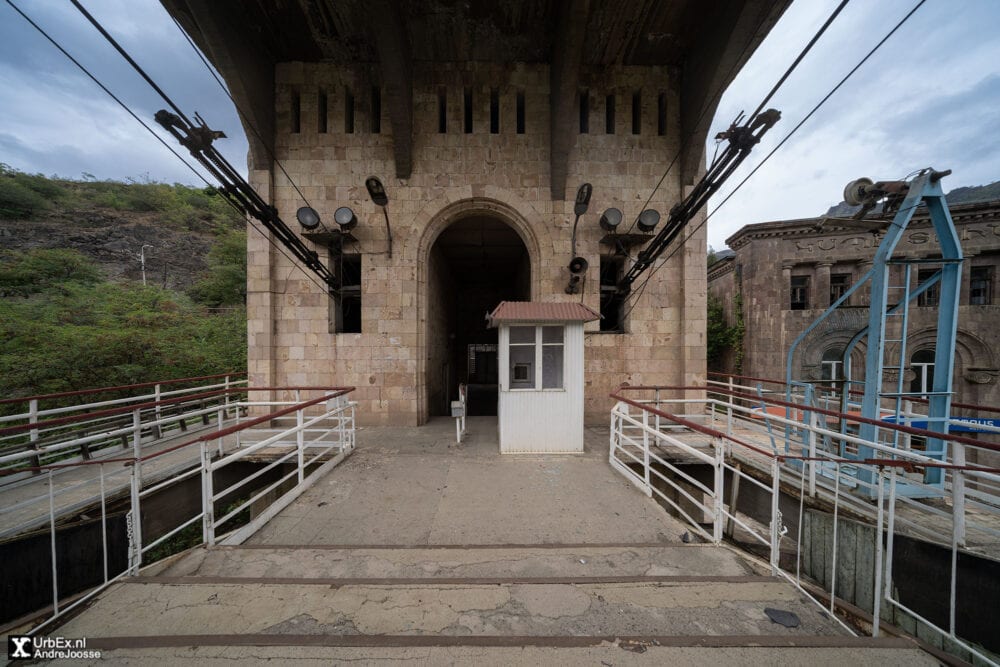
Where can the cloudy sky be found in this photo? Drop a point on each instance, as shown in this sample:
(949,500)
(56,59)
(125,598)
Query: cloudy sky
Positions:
(929,97)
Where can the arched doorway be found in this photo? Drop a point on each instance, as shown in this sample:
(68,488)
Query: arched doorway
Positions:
(477,261)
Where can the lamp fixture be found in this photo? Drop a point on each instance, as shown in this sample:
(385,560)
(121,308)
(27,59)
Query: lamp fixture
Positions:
(379,197)
(308,218)
(345,217)
(648,220)
(610,219)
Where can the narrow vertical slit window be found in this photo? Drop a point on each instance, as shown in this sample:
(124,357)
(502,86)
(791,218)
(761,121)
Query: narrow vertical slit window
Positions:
(609,114)
(519,112)
(348,111)
(442,110)
(637,112)
(467,110)
(494,111)
(661,114)
(376,110)
(321,112)
(584,112)
(296,112)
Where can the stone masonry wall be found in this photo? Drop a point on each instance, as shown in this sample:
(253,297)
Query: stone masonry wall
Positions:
(456,174)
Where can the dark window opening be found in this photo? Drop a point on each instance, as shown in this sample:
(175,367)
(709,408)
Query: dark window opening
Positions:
(321,112)
(612,303)
(296,112)
(932,297)
(839,284)
(494,111)
(346,306)
(376,110)
(467,99)
(609,114)
(442,110)
(348,111)
(585,112)
(519,112)
(637,112)
(661,114)
(981,286)
(800,293)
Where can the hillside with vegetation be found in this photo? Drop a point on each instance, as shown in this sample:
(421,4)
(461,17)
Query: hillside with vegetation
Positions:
(74,312)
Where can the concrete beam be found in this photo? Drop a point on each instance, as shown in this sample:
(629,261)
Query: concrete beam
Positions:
(727,38)
(564,86)
(393,48)
(219,29)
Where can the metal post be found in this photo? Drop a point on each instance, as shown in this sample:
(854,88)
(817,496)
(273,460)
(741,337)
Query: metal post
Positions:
(300,443)
(52,542)
(220,416)
(104,524)
(225,396)
(813,418)
(645,449)
(136,488)
(775,515)
(208,503)
(157,428)
(729,409)
(833,562)
(33,434)
(720,485)
(657,420)
(877,608)
(890,534)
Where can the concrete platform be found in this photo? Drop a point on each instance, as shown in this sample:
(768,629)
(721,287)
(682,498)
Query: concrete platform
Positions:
(419,549)
(416,486)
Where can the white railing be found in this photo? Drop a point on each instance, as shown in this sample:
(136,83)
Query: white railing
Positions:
(294,443)
(92,425)
(770,444)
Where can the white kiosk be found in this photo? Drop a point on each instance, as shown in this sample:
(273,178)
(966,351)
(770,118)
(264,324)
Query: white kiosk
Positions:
(541,375)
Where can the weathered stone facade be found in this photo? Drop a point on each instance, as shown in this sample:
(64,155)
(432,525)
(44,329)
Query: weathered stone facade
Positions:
(461,175)
(770,256)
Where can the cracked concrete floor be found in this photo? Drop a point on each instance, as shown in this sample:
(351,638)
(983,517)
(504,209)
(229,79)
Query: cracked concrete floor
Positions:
(415,486)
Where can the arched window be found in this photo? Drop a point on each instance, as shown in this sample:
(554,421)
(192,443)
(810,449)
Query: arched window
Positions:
(922,363)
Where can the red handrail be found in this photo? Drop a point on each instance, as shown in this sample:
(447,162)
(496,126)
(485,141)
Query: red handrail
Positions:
(830,413)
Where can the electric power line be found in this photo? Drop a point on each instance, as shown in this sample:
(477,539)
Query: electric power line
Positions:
(242,114)
(718,93)
(774,150)
(124,106)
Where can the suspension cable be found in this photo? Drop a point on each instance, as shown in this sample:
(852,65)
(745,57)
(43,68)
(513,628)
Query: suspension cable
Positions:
(124,106)
(774,150)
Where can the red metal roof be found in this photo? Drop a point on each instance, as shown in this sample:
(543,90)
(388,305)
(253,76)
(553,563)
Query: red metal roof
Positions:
(541,311)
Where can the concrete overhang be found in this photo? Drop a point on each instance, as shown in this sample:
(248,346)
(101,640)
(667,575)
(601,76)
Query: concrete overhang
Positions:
(707,41)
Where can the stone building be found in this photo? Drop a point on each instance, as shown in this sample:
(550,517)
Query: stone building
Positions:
(481,120)
(788,272)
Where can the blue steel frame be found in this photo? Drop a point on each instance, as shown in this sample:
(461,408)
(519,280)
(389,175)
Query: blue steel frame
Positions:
(925,187)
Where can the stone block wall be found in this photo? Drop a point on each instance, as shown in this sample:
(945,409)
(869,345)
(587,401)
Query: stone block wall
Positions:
(457,174)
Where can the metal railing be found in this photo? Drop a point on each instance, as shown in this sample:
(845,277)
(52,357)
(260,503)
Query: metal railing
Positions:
(777,446)
(87,424)
(294,442)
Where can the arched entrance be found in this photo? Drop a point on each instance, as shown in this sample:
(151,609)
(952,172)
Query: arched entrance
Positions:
(476,262)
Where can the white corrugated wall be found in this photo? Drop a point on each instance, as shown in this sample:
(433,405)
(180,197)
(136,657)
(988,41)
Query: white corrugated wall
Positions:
(548,420)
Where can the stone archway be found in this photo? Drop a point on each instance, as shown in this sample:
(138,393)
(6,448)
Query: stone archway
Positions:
(472,254)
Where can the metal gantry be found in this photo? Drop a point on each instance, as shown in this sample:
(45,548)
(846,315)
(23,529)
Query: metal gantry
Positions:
(884,389)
